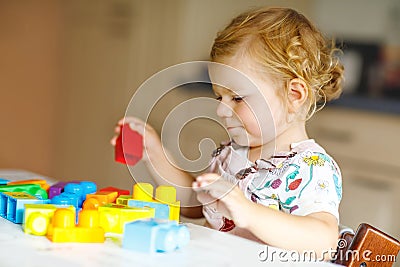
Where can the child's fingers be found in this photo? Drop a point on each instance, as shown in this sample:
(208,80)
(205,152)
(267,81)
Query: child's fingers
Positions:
(135,124)
(205,198)
(196,186)
(213,203)
(113,141)
(220,189)
(130,120)
(201,186)
(125,120)
(215,188)
(137,127)
(208,177)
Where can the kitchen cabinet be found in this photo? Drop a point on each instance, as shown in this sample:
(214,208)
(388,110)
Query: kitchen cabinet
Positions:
(366,146)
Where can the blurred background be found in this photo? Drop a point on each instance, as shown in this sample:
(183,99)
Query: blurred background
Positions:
(68,70)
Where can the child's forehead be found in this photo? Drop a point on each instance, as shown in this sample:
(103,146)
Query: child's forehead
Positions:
(220,90)
(226,78)
(236,90)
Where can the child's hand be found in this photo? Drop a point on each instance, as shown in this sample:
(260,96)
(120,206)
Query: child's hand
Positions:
(152,146)
(225,197)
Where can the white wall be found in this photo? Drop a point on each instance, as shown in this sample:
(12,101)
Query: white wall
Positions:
(201,20)
(366,20)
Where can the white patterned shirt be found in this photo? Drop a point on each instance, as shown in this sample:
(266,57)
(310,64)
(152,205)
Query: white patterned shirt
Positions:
(300,182)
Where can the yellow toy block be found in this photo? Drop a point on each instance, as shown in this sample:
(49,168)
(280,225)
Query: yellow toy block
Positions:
(123,200)
(113,217)
(63,228)
(143,192)
(37,218)
(167,194)
(93,201)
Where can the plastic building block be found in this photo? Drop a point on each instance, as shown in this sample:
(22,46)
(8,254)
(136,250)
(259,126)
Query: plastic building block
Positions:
(164,203)
(81,189)
(143,191)
(66,199)
(4,181)
(167,195)
(123,200)
(113,217)
(155,236)
(63,228)
(37,217)
(129,146)
(93,201)
(58,188)
(12,205)
(43,183)
(32,189)
(114,189)
(161,210)
(84,188)
(74,194)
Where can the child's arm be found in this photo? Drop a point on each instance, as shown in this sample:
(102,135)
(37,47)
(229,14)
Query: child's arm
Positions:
(317,232)
(162,169)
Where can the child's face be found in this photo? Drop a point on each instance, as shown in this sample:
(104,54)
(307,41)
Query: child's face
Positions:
(250,107)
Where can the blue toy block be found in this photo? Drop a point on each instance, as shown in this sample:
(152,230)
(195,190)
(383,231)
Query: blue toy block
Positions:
(154,235)
(74,194)
(66,199)
(57,189)
(161,210)
(74,189)
(88,188)
(81,189)
(84,188)
(3,181)
(12,205)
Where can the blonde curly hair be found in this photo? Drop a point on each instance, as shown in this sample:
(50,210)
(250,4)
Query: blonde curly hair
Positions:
(287,45)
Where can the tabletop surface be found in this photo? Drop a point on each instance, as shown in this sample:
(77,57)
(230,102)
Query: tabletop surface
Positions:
(207,247)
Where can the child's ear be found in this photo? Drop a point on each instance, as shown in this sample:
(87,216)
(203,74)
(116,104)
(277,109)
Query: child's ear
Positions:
(297,95)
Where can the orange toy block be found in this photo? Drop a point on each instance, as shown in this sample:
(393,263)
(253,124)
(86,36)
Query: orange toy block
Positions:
(94,201)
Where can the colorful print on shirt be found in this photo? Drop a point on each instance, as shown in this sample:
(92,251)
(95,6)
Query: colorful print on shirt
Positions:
(301,182)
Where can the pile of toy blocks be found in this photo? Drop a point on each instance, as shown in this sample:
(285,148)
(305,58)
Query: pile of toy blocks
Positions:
(77,212)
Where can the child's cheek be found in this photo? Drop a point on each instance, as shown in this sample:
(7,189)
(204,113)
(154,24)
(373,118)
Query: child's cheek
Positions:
(249,120)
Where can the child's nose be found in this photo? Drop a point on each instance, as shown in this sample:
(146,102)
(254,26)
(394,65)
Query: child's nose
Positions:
(224,110)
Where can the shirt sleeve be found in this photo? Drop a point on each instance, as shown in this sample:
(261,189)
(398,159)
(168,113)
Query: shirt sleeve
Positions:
(321,188)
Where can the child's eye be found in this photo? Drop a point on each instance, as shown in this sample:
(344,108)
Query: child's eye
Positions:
(238,98)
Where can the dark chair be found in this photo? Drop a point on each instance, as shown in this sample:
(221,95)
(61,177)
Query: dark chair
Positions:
(367,247)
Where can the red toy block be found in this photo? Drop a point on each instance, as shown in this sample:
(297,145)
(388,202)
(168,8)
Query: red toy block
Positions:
(129,146)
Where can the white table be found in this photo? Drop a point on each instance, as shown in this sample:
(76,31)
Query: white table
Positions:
(207,247)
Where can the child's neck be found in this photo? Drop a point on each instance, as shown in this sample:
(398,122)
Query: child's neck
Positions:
(282,143)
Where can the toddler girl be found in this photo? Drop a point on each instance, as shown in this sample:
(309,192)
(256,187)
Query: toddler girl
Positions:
(270,182)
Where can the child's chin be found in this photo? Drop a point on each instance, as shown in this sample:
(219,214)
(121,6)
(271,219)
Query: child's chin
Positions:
(241,141)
